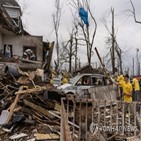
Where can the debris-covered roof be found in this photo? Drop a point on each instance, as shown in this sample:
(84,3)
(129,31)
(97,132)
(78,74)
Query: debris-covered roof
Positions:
(7,21)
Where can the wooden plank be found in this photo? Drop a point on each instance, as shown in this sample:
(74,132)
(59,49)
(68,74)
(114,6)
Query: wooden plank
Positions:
(17,109)
(57,107)
(29,66)
(18,136)
(37,108)
(13,105)
(28,91)
(31,61)
(46,136)
(65,130)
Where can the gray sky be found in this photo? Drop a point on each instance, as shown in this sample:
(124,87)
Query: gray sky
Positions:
(37,19)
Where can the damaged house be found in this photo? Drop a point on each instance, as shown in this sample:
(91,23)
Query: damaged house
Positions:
(16,45)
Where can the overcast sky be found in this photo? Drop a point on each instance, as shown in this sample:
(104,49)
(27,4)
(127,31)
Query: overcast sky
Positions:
(37,19)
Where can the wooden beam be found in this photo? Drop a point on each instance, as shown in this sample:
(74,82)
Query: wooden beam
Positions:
(46,136)
(28,91)
(37,108)
(13,105)
(31,61)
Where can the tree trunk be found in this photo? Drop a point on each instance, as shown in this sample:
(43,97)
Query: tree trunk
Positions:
(113,43)
(70,56)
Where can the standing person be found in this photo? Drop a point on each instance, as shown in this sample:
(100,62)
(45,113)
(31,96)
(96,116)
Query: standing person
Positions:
(127,89)
(120,80)
(127,92)
(64,80)
(136,89)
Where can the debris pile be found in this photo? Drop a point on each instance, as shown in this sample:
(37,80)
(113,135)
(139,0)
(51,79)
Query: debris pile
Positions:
(26,113)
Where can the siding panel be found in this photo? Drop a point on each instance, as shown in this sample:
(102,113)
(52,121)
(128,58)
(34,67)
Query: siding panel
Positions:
(13,12)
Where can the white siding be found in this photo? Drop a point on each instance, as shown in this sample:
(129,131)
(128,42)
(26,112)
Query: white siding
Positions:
(18,42)
(13,12)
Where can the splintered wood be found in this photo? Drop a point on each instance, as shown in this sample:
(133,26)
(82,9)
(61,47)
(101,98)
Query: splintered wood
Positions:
(28,114)
(46,136)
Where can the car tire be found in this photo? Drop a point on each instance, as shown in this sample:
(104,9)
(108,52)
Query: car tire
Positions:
(70,95)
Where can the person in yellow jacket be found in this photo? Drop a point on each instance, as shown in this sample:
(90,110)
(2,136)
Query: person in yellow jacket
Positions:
(136,88)
(64,80)
(51,82)
(127,93)
(126,88)
(120,80)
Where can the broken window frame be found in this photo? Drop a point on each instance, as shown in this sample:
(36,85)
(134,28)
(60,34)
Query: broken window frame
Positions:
(33,48)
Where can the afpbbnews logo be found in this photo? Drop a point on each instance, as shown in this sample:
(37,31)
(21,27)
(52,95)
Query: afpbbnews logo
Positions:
(95,128)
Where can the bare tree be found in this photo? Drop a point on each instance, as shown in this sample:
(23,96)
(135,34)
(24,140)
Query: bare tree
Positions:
(115,50)
(133,11)
(69,49)
(76,45)
(88,34)
(56,22)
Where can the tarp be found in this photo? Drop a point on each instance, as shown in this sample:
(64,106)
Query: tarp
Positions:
(84,15)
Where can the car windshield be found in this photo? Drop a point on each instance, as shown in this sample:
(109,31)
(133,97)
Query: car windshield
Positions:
(57,81)
(74,79)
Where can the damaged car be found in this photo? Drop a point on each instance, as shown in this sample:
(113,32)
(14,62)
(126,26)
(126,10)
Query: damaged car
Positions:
(82,82)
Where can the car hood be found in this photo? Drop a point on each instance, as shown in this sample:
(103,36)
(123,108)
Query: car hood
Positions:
(64,86)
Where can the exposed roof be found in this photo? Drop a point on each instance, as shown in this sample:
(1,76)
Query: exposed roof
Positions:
(9,2)
(6,21)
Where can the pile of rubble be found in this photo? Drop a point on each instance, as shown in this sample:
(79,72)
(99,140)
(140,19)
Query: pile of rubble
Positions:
(26,111)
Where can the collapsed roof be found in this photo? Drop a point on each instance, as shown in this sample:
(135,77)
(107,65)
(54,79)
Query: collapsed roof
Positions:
(10,16)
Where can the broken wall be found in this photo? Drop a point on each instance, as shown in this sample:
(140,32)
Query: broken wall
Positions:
(18,42)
